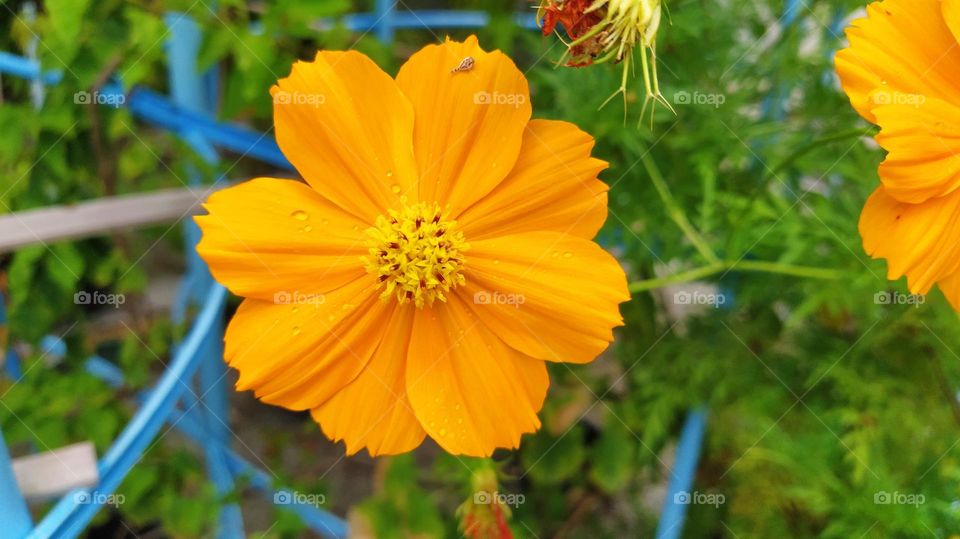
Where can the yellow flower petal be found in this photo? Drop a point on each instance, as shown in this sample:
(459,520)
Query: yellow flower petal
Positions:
(380,374)
(267,237)
(950,286)
(903,46)
(923,141)
(298,355)
(346,126)
(550,296)
(374,412)
(468,124)
(951,15)
(553,186)
(921,241)
(471,392)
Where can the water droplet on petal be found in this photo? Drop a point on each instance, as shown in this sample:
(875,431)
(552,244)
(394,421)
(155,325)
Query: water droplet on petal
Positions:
(300,215)
(296,330)
(395,188)
(567,254)
(307,228)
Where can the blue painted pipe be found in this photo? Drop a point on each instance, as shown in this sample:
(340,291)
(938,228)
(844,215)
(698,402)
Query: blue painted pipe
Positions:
(71,515)
(25,68)
(11,363)
(14,517)
(317,519)
(188,90)
(679,489)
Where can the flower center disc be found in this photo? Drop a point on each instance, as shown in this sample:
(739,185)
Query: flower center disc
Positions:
(415,254)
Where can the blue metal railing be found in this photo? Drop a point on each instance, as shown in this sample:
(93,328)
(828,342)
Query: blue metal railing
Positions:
(188,113)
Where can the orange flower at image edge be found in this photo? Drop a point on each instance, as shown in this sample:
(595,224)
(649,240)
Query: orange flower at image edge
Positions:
(439,253)
(902,72)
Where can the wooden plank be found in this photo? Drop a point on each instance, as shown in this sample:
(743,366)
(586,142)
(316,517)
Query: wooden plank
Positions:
(54,473)
(98,217)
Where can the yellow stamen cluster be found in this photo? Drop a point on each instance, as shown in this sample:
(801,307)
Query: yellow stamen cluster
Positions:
(415,254)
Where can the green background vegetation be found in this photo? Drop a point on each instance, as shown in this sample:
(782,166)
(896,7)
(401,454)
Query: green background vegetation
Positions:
(818,397)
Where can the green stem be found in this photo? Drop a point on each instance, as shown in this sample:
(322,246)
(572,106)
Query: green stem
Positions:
(675,212)
(741,265)
(813,145)
(676,278)
(786,269)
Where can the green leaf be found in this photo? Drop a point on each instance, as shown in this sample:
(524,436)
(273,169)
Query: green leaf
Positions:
(65,265)
(551,460)
(612,457)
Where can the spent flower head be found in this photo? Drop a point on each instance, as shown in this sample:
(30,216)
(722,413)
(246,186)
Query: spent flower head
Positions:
(603,31)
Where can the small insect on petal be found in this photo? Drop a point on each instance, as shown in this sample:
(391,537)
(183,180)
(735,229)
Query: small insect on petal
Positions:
(465,65)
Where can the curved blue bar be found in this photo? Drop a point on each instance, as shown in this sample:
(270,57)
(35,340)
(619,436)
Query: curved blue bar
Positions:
(157,110)
(13,508)
(11,363)
(19,66)
(104,370)
(53,348)
(423,19)
(70,515)
(681,481)
(188,90)
(317,519)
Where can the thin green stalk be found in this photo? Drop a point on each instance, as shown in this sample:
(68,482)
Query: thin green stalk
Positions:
(675,212)
(676,278)
(741,265)
(813,145)
(786,269)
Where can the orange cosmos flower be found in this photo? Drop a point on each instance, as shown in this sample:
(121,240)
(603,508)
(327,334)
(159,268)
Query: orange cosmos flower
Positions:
(902,72)
(439,253)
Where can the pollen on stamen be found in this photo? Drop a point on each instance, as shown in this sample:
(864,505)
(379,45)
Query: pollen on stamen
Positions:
(415,254)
